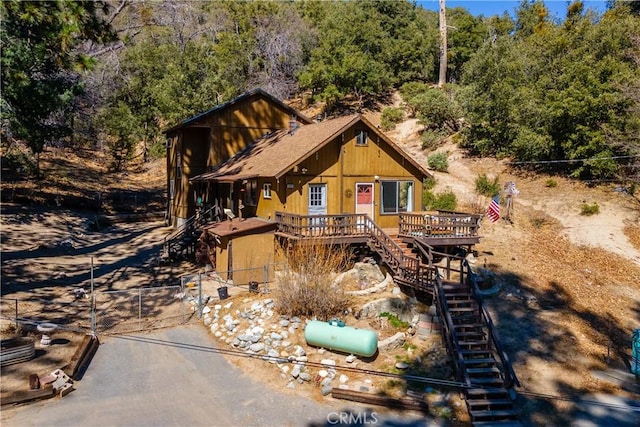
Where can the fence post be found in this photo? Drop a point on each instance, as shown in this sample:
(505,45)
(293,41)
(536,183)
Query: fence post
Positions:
(16,313)
(92,313)
(139,308)
(199,295)
(265,278)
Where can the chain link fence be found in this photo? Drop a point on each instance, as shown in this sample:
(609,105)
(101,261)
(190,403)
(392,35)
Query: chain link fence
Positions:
(140,309)
(129,310)
(72,315)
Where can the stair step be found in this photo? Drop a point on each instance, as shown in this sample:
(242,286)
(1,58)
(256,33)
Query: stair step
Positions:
(463,309)
(493,414)
(460,301)
(468,326)
(468,353)
(481,361)
(470,334)
(487,393)
(488,370)
(473,342)
(480,380)
(489,402)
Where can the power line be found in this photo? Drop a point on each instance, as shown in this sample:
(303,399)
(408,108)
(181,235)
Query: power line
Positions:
(573,160)
(415,378)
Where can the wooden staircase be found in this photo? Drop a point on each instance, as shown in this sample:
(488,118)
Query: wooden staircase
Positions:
(181,241)
(479,362)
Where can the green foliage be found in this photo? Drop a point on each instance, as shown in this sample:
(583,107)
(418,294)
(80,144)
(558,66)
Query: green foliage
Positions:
(435,109)
(551,183)
(588,209)
(41,65)
(429,183)
(557,91)
(390,118)
(431,138)
(122,129)
(394,321)
(445,200)
(487,187)
(438,162)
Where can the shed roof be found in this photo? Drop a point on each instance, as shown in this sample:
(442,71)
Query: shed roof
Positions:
(278,152)
(236,100)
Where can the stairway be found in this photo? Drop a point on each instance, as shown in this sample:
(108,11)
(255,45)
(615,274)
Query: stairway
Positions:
(488,396)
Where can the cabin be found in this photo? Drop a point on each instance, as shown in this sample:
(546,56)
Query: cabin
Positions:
(254,173)
(201,143)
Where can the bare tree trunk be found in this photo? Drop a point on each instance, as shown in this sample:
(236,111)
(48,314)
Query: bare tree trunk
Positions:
(443,45)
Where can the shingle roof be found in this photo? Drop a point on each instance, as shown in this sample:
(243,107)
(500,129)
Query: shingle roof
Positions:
(277,153)
(235,100)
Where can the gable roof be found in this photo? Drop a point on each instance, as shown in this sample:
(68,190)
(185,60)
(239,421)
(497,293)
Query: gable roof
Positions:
(236,100)
(278,152)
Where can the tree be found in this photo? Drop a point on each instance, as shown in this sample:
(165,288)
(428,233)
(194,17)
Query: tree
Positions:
(42,67)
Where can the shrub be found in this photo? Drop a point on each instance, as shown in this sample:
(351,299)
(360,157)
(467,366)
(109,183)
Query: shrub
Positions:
(438,162)
(589,209)
(431,138)
(445,201)
(551,183)
(390,118)
(305,286)
(429,183)
(487,187)
(394,321)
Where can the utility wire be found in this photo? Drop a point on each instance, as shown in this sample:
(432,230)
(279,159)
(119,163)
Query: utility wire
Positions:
(573,160)
(426,380)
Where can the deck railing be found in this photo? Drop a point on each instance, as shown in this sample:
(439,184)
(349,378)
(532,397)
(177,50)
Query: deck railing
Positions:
(440,224)
(406,268)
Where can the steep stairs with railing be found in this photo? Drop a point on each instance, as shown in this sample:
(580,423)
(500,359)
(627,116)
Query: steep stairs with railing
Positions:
(181,241)
(479,361)
(469,334)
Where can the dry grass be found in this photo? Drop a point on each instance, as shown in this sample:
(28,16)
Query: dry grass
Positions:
(632,231)
(306,288)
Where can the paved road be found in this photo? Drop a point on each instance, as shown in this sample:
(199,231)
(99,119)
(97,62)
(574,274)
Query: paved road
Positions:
(172,378)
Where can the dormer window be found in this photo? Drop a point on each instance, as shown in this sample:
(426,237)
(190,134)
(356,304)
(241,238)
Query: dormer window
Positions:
(361,137)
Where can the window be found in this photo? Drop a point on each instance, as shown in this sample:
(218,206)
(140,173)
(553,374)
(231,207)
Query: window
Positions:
(361,137)
(178,166)
(266,190)
(251,192)
(397,196)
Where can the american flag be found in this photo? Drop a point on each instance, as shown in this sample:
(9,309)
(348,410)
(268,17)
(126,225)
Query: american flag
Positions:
(493,212)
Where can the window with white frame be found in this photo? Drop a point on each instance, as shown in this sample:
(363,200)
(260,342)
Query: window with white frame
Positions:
(397,196)
(266,190)
(361,137)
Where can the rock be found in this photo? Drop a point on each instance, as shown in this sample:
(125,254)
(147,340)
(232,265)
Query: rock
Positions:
(257,347)
(206,310)
(305,376)
(328,362)
(236,342)
(217,307)
(326,390)
(393,342)
(257,330)
(323,373)
(298,351)
(217,334)
(402,365)
(254,338)
(284,323)
(207,321)
(344,378)
(302,359)
(295,372)
(274,355)
(228,305)
(276,336)
(351,358)
(326,381)
(291,384)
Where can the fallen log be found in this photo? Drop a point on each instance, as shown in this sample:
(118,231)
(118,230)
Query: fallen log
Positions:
(387,401)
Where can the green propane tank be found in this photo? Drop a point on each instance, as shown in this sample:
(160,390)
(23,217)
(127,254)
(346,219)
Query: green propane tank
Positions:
(333,335)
